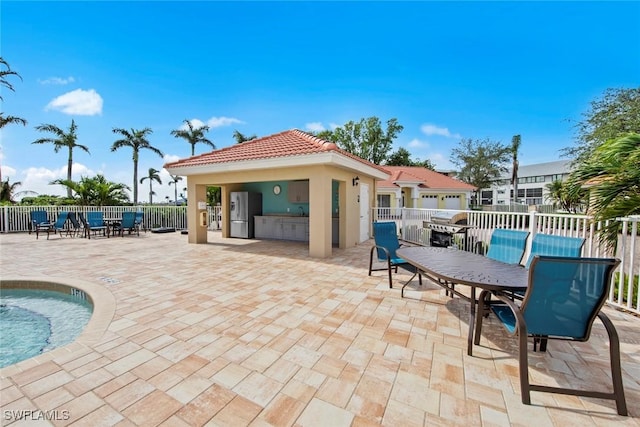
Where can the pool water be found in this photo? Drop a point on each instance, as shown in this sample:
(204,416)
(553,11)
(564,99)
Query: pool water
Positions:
(36,321)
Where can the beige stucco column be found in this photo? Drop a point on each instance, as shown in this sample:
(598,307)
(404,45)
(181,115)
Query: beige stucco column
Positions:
(195,212)
(320,214)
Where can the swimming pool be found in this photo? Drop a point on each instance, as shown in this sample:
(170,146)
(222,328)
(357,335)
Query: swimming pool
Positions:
(34,321)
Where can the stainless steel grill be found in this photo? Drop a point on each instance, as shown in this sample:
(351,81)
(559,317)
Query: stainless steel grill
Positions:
(444,225)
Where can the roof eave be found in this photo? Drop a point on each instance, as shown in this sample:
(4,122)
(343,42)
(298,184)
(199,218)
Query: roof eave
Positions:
(325,158)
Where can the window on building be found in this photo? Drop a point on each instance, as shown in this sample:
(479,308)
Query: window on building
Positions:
(384,201)
(534,196)
(486,197)
(534,192)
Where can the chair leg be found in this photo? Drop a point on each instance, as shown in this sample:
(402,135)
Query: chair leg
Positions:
(390,273)
(616,369)
(371,261)
(523,362)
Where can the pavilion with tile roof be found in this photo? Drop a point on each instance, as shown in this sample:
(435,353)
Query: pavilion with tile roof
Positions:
(419,187)
(341,186)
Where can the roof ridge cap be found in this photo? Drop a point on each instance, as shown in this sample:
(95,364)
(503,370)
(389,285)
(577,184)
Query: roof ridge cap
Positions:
(322,143)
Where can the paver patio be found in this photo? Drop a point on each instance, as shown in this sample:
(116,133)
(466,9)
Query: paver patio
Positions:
(243,332)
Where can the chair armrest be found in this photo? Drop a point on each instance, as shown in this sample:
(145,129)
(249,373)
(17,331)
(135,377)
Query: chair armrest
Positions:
(386,251)
(520,326)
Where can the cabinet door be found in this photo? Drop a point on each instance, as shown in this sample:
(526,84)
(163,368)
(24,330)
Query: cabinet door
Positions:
(287,230)
(300,232)
(304,191)
(298,192)
(292,192)
(275,227)
(259,229)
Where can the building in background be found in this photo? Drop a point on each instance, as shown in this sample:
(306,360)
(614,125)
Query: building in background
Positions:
(532,184)
(419,187)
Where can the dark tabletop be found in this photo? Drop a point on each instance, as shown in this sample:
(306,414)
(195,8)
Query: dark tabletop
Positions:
(466,268)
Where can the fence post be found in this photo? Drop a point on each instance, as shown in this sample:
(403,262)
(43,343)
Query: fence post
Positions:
(533,229)
(5,219)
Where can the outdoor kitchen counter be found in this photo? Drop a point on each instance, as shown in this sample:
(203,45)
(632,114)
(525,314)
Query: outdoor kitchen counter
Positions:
(289,226)
(282,227)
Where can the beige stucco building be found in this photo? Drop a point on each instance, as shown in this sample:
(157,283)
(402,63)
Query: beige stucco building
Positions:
(310,189)
(418,187)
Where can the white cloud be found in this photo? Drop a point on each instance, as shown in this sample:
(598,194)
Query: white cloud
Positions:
(430,129)
(333,126)
(416,143)
(216,122)
(195,123)
(168,158)
(314,126)
(37,179)
(8,172)
(57,80)
(80,102)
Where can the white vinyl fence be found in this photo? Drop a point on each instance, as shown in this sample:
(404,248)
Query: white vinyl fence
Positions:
(16,218)
(410,223)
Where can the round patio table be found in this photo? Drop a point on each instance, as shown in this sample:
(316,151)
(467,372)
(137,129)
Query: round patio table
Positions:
(447,267)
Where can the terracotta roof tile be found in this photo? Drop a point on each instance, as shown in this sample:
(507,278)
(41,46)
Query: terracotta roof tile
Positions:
(288,143)
(426,178)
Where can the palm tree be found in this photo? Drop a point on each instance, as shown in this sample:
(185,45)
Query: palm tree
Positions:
(3,76)
(8,120)
(96,191)
(240,138)
(515,146)
(612,176)
(7,191)
(193,135)
(174,181)
(62,139)
(153,176)
(137,140)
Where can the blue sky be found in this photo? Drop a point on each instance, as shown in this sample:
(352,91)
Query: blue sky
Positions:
(445,70)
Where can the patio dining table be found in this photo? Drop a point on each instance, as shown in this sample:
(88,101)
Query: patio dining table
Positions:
(448,267)
(110,222)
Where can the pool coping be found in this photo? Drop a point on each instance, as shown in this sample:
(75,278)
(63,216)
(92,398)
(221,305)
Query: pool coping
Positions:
(104,307)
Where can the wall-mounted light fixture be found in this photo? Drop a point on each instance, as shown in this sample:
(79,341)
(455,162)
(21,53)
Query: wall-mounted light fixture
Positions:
(355,181)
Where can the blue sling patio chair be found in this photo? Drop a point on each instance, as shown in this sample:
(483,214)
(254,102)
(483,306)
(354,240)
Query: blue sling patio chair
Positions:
(93,222)
(553,245)
(128,223)
(507,246)
(60,224)
(386,244)
(139,224)
(75,227)
(39,221)
(563,299)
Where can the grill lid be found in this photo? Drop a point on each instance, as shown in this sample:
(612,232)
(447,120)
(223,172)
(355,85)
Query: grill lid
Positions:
(450,222)
(449,217)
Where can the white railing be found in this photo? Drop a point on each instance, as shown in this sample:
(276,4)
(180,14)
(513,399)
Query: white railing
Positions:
(16,218)
(482,223)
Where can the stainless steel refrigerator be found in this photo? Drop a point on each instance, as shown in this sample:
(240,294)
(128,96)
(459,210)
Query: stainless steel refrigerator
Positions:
(244,206)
